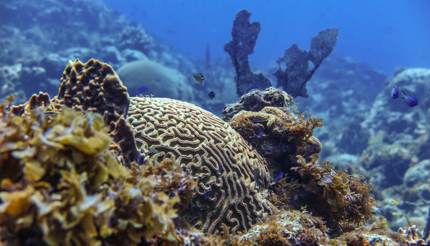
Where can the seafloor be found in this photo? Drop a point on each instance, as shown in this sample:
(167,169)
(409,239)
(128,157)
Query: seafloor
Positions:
(106,139)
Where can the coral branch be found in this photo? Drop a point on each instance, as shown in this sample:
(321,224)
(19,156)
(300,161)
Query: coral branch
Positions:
(294,67)
(244,36)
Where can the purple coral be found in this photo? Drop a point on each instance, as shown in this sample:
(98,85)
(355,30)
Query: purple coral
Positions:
(244,36)
(297,66)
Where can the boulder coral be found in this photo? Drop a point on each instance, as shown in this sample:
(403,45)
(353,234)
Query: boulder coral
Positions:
(231,176)
(152,78)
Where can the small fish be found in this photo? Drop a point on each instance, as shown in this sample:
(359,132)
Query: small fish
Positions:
(211,95)
(199,78)
(410,100)
(278,177)
(395,92)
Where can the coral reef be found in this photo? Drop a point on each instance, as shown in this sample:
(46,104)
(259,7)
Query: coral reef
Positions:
(343,201)
(95,87)
(285,140)
(63,177)
(294,70)
(343,92)
(37,44)
(398,150)
(286,228)
(231,177)
(244,37)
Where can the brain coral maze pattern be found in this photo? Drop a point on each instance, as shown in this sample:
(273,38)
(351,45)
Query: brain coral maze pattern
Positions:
(230,175)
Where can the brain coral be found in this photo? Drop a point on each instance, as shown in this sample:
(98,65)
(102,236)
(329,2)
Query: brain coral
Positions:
(231,176)
(150,77)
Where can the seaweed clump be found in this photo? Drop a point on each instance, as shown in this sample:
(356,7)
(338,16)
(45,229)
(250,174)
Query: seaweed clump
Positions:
(342,200)
(61,184)
(286,140)
(278,136)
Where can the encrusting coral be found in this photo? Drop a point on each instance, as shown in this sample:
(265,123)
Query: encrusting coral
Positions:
(60,183)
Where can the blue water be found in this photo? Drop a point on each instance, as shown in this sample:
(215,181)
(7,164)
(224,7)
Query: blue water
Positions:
(383,33)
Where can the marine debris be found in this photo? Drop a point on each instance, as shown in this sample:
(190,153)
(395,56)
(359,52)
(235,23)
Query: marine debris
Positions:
(66,178)
(294,67)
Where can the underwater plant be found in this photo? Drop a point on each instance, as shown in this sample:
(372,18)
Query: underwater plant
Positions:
(60,183)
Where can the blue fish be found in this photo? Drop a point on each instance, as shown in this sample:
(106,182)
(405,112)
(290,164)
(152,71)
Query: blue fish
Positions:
(410,100)
(278,176)
(395,92)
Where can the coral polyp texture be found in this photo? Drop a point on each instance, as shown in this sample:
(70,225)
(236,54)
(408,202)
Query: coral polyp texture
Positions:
(231,176)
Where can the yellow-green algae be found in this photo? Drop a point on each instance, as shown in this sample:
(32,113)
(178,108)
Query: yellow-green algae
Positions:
(60,184)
